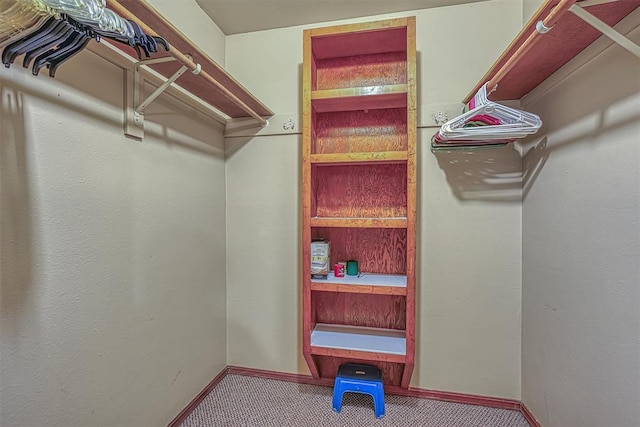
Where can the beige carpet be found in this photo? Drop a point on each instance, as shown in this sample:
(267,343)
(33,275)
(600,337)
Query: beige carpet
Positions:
(256,402)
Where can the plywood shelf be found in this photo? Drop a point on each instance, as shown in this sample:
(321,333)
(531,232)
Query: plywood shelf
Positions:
(380,157)
(359,39)
(399,222)
(359,98)
(357,339)
(192,83)
(360,131)
(550,51)
(365,283)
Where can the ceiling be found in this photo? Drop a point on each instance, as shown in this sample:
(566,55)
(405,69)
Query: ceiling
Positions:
(242,16)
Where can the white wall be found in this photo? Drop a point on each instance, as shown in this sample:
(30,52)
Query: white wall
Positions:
(112,252)
(470,214)
(581,246)
(193,22)
(529,7)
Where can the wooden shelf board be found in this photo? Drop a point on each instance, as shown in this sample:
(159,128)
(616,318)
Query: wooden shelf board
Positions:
(355,158)
(358,289)
(359,339)
(366,283)
(359,98)
(569,37)
(350,355)
(189,81)
(359,39)
(359,222)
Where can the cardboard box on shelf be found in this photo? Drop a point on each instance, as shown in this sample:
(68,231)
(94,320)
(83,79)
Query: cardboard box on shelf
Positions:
(320,259)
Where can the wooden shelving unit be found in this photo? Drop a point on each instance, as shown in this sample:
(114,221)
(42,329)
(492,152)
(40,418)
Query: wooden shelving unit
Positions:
(359,192)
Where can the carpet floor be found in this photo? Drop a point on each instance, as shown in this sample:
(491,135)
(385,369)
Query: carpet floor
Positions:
(255,402)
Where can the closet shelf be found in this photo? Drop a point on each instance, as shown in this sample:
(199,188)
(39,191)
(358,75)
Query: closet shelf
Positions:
(358,342)
(222,92)
(523,66)
(367,283)
(359,98)
(379,157)
(398,222)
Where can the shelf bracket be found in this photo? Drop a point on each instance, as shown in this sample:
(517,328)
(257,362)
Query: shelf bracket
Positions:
(135,107)
(605,29)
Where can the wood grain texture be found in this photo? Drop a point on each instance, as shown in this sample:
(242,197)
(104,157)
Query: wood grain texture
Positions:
(376,250)
(412,197)
(363,191)
(360,71)
(307,311)
(358,289)
(549,51)
(359,222)
(391,371)
(359,39)
(189,81)
(379,157)
(366,98)
(523,49)
(375,131)
(376,311)
(363,177)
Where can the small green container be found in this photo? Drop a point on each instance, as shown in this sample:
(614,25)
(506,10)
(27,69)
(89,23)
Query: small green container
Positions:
(352,267)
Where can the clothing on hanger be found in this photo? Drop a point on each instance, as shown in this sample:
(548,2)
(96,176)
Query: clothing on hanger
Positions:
(50,32)
(484,122)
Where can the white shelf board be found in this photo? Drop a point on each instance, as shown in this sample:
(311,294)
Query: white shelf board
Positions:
(359,339)
(367,279)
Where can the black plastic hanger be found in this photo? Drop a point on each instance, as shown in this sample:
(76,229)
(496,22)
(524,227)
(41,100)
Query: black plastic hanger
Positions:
(32,40)
(42,45)
(163,42)
(54,63)
(74,43)
(57,40)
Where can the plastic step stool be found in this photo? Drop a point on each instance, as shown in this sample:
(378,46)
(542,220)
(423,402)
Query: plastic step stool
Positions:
(356,378)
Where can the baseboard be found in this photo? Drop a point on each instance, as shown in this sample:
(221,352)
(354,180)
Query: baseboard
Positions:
(280,376)
(526,413)
(199,398)
(469,399)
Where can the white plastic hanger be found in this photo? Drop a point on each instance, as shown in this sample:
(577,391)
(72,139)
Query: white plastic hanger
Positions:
(511,124)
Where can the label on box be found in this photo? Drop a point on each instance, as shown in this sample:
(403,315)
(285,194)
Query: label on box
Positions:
(320,256)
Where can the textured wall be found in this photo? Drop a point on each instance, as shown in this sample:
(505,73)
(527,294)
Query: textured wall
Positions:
(112,253)
(191,20)
(581,246)
(529,7)
(470,215)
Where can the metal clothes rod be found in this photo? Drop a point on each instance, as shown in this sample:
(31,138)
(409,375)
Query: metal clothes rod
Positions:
(183,59)
(542,27)
(548,22)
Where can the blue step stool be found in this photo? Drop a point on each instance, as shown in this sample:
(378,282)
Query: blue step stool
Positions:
(356,378)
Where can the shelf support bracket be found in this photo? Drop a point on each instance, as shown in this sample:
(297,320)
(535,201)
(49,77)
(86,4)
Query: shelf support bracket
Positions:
(605,29)
(144,104)
(135,107)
